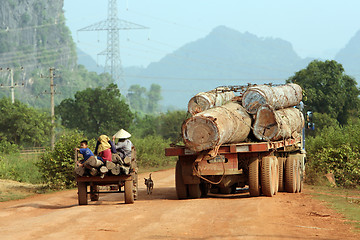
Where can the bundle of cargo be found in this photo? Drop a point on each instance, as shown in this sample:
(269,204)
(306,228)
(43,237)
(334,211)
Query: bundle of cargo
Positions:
(114,167)
(206,100)
(272,109)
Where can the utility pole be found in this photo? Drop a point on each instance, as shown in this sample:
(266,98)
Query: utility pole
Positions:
(113,25)
(52,104)
(12,85)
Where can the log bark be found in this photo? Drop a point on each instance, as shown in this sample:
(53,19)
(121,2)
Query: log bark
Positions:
(229,123)
(206,100)
(276,97)
(273,125)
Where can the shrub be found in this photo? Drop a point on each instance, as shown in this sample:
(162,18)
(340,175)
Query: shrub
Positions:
(335,150)
(150,151)
(57,166)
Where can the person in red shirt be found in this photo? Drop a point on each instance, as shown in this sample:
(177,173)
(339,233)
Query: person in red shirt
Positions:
(103,148)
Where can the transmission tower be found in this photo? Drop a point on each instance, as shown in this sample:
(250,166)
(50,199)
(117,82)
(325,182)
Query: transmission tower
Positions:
(113,25)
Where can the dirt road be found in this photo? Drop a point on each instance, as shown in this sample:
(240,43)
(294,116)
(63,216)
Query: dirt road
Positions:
(161,216)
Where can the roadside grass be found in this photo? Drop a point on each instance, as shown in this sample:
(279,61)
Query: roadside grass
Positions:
(344,201)
(20,167)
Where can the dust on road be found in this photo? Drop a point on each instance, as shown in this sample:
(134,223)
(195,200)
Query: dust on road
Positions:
(161,216)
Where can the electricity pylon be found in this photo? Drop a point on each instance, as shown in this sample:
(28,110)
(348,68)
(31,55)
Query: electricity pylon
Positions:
(113,25)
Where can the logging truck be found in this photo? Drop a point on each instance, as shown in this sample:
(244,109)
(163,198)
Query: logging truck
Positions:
(120,183)
(251,141)
(263,167)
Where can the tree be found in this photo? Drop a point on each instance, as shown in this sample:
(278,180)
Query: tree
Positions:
(96,111)
(136,98)
(328,90)
(23,125)
(154,96)
(170,125)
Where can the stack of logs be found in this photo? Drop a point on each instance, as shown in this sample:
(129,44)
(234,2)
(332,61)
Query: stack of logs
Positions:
(114,167)
(266,110)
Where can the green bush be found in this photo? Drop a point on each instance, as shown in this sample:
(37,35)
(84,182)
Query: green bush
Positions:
(8,147)
(335,150)
(57,166)
(150,151)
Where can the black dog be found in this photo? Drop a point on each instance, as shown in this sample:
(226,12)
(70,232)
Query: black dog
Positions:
(149,184)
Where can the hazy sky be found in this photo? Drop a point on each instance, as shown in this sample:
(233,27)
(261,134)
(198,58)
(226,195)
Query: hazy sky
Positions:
(316,28)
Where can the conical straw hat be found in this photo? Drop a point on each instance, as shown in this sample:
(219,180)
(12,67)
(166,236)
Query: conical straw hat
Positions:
(122,134)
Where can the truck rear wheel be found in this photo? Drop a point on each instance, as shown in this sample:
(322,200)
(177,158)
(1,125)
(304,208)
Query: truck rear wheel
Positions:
(298,177)
(128,192)
(281,174)
(194,190)
(181,189)
(82,193)
(268,172)
(290,174)
(254,187)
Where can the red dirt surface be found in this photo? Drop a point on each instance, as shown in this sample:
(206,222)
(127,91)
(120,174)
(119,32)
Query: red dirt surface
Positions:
(162,216)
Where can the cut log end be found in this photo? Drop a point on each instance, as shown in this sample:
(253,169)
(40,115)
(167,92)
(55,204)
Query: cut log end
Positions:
(198,104)
(200,133)
(265,126)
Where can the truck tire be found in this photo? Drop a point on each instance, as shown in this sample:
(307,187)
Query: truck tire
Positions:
(94,196)
(181,188)
(254,186)
(298,177)
(82,193)
(128,192)
(194,190)
(267,176)
(281,174)
(290,174)
(225,190)
(302,167)
(276,174)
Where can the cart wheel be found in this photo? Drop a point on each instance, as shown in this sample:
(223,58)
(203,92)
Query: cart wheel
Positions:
(136,185)
(94,196)
(82,193)
(128,192)
(298,174)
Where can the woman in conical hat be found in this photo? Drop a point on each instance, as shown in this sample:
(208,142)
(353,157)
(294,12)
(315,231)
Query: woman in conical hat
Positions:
(122,134)
(123,147)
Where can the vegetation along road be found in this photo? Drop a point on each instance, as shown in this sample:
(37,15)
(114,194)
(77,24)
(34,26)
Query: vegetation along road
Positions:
(162,216)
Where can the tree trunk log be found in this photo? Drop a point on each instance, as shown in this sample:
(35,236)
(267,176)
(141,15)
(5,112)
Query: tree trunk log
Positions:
(277,97)
(206,100)
(229,123)
(273,125)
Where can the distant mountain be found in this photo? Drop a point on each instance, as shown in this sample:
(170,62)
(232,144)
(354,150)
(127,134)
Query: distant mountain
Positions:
(349,56)
(224,57)
(89,63)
